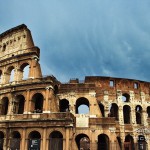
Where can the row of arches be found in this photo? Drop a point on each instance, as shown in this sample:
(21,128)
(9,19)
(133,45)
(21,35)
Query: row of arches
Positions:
(83,142)
(103,143)
(34,140)
(18,104)
(9,75)
(82,107)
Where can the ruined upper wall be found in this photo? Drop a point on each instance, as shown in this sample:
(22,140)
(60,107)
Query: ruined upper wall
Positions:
(15,41)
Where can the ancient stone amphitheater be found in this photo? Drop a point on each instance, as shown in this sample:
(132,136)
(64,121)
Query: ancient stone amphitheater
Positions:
(41,113)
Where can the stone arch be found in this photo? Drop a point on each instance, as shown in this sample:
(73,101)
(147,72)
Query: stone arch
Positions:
(34,140)
(15,140)
(114,111)
(10,74)
(83,103)
(148,111)
(64,105)
(138,111)
(1,140)
(19,104)
(24,70)
(125,97)
(4,106)
(103,142)
(56,140)
(37,103)
(82,141)
(127,114)
(129,142)
(102,109)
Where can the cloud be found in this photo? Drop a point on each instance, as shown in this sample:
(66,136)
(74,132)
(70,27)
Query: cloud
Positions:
(80,38)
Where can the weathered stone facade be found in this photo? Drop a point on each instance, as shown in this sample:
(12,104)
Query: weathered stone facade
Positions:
(42,113)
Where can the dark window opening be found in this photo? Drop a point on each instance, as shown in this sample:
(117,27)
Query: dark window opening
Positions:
(56,141)
(1,140)
(125,97)
(126,114)
(64,105)
(114,111)
(19,104)
(103,142)
(4,47)
(148,111)
(138,111)
(15,141)
(129,143)
(34,140)
(4,106)
(37,102)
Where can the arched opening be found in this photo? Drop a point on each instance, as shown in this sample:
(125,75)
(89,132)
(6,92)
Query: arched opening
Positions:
(125,97)
(83,142)
(4,47)
(119,143)
(37,103)
(114,111)
(19,104)
(24,68)
(11,74)
(138,111)
(56,141)
(148,111)
(15,140)
(126,114)
(4,106)
(82,106)
(129,143)
(1,140)
(142,145)
(101,107)
(34,140)
(103,142)
(64,105)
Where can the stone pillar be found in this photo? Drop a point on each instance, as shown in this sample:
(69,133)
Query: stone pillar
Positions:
(23,142)
(35,69)
(144,118)
(67,139)
(44,139)
(26,106)
(46,104)
(133,115)
(5,144)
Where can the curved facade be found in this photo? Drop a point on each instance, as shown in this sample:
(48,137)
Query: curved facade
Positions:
(41,113)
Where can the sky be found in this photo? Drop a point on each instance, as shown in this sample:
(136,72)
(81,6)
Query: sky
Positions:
(79,38)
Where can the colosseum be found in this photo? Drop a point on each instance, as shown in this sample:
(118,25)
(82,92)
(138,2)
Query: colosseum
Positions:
(42,113)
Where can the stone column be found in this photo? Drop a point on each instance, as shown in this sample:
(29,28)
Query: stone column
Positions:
(26,106)
(67,139)
(133,115)
(44,140)
(23,139)
(46,104)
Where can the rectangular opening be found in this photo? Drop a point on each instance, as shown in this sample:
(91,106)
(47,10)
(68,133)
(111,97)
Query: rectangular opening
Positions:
(135,85)
(111,83)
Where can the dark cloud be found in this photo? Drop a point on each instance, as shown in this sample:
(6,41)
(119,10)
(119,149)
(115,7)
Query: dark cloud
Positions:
(79,38)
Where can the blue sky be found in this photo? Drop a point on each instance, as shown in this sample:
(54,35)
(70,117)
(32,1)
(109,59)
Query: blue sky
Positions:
(81,38)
